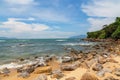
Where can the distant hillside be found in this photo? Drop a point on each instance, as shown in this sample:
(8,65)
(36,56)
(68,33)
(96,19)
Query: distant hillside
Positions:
(79,36)
(109,31)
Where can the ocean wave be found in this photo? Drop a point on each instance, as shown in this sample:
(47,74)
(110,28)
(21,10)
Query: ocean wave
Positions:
(2,40)
(60,40)
(77,44)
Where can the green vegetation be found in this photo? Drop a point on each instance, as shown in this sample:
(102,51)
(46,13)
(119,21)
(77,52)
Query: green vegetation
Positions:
(108,31)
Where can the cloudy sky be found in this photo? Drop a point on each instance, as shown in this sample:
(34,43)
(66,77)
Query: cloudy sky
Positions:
(55,18)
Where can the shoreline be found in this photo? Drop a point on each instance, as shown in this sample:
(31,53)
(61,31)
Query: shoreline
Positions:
(101,62)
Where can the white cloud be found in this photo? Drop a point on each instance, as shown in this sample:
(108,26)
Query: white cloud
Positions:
(101,12)
(97,23)
(18,27)
(14,27)
(21,2)
(102,8)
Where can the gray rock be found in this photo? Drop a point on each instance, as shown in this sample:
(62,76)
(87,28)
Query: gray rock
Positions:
(97,67)
(42,77)
(57,74)
(66,59)
(24,74)
(70,67)
(5,71)
(103,71)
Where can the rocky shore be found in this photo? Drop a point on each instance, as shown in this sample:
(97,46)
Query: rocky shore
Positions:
(97,62)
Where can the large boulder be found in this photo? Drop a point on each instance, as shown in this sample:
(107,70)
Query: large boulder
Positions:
(40,70)
(88,76)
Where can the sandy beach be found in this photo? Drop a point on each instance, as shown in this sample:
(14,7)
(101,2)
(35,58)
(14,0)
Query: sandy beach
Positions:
(101,63)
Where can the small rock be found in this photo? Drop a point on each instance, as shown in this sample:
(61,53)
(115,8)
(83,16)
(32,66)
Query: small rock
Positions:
(57,74)
(117,72)
(102,72)
(42,77)
(102,60)
(24,74)
(5,71)
(69,67)
(97,67)
(66,59)
(71,78)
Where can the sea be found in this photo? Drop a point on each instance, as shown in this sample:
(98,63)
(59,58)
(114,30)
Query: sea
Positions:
(12,49)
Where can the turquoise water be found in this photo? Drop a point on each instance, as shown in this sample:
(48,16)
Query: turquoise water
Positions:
(11,49)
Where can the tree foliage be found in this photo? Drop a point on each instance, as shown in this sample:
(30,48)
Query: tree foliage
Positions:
(109,31)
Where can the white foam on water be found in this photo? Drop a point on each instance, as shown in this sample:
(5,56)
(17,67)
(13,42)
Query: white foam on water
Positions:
(10,65)
(75,44)
(60,40)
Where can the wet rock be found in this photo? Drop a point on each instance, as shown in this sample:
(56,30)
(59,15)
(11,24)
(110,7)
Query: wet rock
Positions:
(88,76)
(110,78)
(66,59)
(5,71)
(21,59)
(71,78)
(57,74)
(24,74)
(19,70)
(28,69)
(42,77)
(40,70)
(97,67)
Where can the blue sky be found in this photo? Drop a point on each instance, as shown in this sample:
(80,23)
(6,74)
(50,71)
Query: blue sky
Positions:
(55,18)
